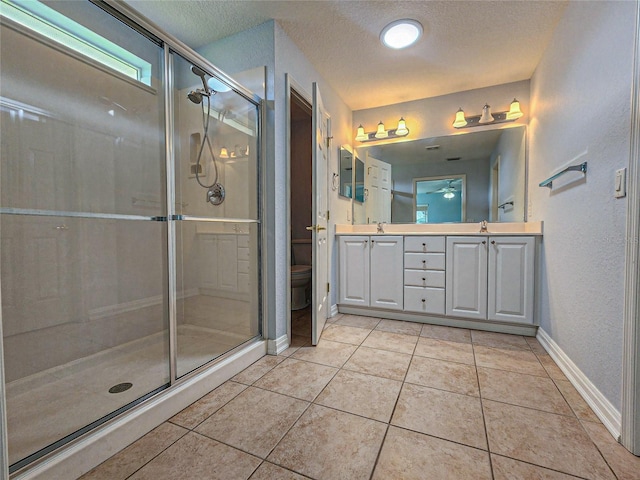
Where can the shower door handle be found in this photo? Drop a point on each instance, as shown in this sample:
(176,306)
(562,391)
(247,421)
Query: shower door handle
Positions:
(317,228)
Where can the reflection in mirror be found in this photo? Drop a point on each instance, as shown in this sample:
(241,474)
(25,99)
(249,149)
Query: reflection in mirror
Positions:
(346,172)
(359,181)
(439,199)
(492,161)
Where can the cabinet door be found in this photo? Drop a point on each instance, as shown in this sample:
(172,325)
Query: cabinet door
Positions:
(387,271)
(466,272)
(354,270)
(511,279)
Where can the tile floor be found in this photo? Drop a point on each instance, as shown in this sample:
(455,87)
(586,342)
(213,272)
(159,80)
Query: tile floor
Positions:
(380,399)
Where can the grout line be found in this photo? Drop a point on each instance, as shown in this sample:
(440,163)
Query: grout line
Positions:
(154,457)
(541,466)
(484,420)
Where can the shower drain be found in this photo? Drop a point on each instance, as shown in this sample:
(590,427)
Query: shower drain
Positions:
(121,387)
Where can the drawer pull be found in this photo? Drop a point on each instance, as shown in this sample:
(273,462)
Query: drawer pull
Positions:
(424,300)
(424,279)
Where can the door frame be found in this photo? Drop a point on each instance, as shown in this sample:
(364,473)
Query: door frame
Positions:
(290,84)
(630,431)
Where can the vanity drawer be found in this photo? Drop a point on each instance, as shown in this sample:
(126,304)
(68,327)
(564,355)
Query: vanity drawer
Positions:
(424,300)
(424,278)
(424,244)
(424,261)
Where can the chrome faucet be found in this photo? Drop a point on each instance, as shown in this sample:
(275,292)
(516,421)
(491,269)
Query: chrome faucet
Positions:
(483,226)
(380,227)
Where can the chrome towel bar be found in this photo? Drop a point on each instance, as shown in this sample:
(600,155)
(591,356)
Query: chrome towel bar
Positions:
(573,168)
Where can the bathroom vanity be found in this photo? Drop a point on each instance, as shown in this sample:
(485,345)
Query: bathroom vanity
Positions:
(443,274)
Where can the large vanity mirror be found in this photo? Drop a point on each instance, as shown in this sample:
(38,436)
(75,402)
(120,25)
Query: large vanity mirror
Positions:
(468,177)
(351,182)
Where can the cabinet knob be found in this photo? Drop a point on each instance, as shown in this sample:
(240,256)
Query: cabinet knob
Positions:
(493,242)
(484,242)
(424,300)
(423,279)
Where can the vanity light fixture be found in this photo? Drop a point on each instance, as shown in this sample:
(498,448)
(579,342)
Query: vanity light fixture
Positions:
(487,117)
(400,131)
(237,152)
(401,33)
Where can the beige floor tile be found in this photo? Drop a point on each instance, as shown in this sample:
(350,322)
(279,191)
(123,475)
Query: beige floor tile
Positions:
(535,346)
(296,378)
(345,334)
(624,464)
(394,342)
(360,394)
(452,334)
(446,415)
(254,421)
(413,456)
(269,471)
(258,369)
(199,411)
(552,369)
(393,365)
(195,456)
(127,461)
(397,326)
(445,350)
(509,469)
(450,376)
(358,321)
(513,360)
(297,341)
(329,444)
(523,390)
(499,340)
(553,441)
(334,354)
(576,402)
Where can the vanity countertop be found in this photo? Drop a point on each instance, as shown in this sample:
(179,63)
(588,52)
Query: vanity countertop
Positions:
(493,229)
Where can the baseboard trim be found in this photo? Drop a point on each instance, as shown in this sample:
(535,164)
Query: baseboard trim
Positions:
(277,346)
(334,310)
(603,408)
(97,446)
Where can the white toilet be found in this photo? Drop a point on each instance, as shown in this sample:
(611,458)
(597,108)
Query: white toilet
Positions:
(300,286)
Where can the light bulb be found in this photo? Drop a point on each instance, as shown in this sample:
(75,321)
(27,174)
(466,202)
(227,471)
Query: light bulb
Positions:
(460,121)
(381,132)
(486,115)
(514,110)
(224,153)
(402,129)
(449,195)
(361,136)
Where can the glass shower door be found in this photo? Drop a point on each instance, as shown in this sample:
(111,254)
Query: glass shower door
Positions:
(216,217)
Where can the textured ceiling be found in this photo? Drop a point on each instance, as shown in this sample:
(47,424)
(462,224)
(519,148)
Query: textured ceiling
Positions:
(466,44)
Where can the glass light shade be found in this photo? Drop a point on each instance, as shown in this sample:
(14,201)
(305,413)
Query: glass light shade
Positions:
(224,153)
(401,33)
(486,115)
(402,129)
(514,110)
(217,85)
(361,136)
(449,195)
(381,132)
(460,121)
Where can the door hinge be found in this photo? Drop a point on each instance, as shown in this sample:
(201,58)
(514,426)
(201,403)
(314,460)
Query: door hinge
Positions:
(328,287)
(329,142)
(328,215)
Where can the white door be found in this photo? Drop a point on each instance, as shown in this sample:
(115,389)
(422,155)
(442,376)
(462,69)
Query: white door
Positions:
(378,190)
(354,270)
(387,272)
(320,133)
(510,291)
(466,277)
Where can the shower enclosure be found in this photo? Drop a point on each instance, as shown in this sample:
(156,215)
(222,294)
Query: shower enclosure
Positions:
(129,218)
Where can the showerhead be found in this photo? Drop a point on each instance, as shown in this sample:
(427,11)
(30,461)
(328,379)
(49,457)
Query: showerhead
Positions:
(200,73)
(195,97)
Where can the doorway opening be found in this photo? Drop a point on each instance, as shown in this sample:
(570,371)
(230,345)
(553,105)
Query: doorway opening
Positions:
(301,215)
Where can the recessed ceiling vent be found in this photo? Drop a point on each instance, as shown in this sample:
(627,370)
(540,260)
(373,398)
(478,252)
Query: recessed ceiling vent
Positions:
(453,159)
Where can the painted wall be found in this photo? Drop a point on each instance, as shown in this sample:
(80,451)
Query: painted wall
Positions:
(580,111)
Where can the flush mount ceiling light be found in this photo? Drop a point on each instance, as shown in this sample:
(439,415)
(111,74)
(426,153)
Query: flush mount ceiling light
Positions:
(401,33)
(488,117)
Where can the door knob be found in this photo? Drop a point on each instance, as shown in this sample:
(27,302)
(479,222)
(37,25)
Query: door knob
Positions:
(317,228)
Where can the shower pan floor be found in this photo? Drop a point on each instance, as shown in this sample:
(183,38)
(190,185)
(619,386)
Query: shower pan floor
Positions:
(49,405)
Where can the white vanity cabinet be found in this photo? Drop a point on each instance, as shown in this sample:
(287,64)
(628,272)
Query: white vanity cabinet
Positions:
(424,274)
(490,278)
(371,271)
